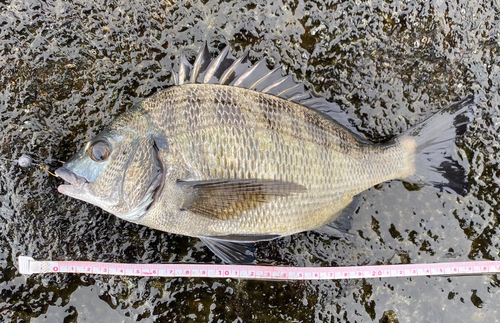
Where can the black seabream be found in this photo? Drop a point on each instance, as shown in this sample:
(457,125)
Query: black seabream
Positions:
(236,153)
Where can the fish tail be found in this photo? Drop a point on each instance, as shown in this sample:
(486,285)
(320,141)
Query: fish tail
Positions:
(436,163)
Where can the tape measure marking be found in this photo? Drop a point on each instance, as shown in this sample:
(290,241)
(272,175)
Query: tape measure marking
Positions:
(28,265)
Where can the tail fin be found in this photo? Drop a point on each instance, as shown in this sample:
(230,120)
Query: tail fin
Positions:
(436,163)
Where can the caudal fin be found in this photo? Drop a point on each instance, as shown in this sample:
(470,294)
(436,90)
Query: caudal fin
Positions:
(436,161)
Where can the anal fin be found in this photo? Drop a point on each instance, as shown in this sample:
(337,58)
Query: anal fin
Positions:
(343,222)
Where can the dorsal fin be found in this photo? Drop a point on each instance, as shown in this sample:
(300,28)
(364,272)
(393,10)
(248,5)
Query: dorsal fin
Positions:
(227,70)
(252,75)
(184,70)
(218,66)
(236,69)
(267,79)
(200,65)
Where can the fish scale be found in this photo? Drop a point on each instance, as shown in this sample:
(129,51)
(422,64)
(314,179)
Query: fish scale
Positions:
(210,147)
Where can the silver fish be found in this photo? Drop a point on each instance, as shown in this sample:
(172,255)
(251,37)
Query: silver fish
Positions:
(236,153)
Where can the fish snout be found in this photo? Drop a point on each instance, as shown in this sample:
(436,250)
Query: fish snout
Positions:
(74,180)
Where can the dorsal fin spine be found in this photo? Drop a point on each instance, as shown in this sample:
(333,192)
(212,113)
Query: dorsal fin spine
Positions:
(232,68)
(288,90)
(262,79)
(272,86)
(184,69)
(240,79)
(214,65)
(176,78)
(300,97)
(200,61)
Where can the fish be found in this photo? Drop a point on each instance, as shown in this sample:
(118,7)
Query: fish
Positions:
(235,153)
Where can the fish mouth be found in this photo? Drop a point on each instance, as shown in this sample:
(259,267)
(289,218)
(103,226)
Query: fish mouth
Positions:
(75,182)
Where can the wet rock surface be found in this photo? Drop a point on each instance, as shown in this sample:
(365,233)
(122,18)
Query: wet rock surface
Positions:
(68,68)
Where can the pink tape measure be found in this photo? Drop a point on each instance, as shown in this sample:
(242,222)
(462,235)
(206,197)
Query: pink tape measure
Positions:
(28,265)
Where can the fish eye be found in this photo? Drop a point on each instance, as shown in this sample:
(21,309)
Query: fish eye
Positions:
(99,151)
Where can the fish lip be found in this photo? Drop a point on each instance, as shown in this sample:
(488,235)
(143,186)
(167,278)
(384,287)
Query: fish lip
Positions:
(75,181)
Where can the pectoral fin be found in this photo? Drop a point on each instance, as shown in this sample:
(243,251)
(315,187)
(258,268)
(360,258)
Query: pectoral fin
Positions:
(226,199)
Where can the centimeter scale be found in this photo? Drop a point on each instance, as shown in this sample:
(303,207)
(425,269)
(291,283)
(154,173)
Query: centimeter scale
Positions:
(28,265)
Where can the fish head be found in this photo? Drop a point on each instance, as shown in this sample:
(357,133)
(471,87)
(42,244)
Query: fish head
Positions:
(118,170)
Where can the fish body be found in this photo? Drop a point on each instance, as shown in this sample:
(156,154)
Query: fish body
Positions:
(225,132)
(232,163)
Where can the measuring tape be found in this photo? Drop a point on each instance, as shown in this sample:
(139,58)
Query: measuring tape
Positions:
(28,265)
